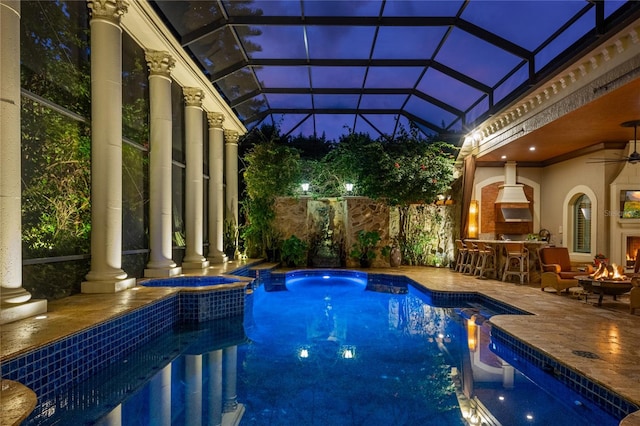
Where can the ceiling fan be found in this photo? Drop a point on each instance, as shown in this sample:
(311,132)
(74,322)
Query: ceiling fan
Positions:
(634,157)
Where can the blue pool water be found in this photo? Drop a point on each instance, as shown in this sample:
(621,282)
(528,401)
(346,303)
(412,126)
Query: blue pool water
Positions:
(323,349)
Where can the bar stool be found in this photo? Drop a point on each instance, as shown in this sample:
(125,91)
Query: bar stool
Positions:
(472,258)
(462,256)
(516,261)
(486,260)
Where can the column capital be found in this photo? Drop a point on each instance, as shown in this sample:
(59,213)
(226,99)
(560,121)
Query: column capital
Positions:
(193,96)
(215,119)
(231,136)
(159,62)
(109,10)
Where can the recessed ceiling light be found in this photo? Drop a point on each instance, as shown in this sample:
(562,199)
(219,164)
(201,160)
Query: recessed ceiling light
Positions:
(504,157)
(532,148)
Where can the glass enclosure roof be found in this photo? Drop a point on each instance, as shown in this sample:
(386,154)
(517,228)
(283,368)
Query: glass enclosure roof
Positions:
(326,67)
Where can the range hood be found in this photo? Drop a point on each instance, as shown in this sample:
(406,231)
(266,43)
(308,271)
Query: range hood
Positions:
(512,204)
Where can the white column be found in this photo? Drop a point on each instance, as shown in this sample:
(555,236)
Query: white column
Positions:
(508,376)
(16,301)
(216,188)
(230,359)
(106,274)
(231,173)
(194,192)
(160,398)
(215,388)
(232,410)
(193,389)
(160,214)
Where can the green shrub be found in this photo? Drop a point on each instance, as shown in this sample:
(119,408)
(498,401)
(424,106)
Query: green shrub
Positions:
(294,251)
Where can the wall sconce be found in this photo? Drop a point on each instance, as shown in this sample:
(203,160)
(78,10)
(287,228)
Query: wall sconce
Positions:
(305,188)
(348,187)
(472,230)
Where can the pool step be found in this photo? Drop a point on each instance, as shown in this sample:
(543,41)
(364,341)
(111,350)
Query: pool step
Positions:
(264,266)
(263,272)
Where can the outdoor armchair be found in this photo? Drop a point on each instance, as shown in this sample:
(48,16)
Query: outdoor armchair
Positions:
(556,268)
(557,260)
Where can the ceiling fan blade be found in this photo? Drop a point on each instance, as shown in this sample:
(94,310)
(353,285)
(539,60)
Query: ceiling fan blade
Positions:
(608,160)
(633,158)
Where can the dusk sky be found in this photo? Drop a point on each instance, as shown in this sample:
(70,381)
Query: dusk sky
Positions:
(441,74)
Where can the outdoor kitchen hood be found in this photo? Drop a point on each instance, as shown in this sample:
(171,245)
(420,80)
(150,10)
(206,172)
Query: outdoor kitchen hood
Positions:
(512,204)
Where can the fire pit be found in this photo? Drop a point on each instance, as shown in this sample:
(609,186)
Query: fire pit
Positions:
(608,279)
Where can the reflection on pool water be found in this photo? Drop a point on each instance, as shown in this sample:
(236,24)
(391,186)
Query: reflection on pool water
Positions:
(326,349)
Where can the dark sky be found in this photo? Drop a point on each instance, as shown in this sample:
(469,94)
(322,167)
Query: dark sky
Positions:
(331,56)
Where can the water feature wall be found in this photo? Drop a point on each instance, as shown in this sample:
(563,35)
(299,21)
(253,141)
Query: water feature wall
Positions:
(331,225)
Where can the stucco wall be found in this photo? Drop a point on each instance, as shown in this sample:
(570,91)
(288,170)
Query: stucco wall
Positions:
(557,182)
(487,181)
(561,180)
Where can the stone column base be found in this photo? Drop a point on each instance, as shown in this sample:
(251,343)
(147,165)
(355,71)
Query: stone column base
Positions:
(232,418)
(162,272)
(202,264)
(218,258)
(10,312)
(107,286)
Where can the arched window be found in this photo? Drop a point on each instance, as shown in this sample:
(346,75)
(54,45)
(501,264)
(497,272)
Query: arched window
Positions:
(582,225)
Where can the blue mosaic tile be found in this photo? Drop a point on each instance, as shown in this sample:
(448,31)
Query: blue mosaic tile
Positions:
(207,305)
(74,358)
(514,351)
(77,357)
(188,281)
(245,271)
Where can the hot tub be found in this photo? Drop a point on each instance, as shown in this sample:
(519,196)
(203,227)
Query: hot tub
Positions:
(193,282)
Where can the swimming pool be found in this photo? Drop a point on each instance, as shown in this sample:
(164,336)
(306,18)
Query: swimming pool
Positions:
(324,347)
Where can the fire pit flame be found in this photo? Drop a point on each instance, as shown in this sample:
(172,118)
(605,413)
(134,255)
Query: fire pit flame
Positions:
(611,272)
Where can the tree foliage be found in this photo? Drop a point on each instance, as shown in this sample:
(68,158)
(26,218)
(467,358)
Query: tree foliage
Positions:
(407,169)
(271,170)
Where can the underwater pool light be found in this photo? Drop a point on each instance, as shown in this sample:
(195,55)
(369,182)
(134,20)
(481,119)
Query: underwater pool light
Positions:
(348,352)
(303,352)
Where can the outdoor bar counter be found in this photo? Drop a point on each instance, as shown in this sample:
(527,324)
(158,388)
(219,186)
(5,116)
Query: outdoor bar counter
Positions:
(531,245)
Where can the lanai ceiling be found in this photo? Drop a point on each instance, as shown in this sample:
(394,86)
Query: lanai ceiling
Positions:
(328,67)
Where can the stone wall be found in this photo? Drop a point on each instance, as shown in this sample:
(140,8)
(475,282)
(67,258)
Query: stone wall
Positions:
(364,214)
(331,225)
(431,230)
